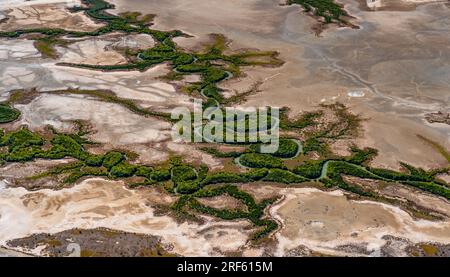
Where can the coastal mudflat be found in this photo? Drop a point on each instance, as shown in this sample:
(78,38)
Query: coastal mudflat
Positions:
(392,71)
(398,60)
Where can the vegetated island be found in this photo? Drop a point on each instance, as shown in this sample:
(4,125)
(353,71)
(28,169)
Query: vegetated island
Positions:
(326,12)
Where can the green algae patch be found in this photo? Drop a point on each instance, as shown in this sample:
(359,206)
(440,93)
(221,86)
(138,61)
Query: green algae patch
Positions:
(8,113)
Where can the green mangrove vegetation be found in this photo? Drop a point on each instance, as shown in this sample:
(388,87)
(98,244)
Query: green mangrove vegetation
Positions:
(254,212)
(304,153)
(192,183)
(287,148)
(256,160)
(110,97)
(346,126)
(328,10)
(311,169)
(213,65)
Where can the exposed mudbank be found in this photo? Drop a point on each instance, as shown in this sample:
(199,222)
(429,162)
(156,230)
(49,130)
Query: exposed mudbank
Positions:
(399,73)
(99,242)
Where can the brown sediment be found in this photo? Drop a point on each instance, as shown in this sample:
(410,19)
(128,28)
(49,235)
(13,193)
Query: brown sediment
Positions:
(50,15)
(100,242)
(302,83)
(438,117)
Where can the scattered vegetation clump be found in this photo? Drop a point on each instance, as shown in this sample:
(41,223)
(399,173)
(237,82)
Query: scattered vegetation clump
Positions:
(85,171)
(8,113)
(256,174)
(431,187)
(436,146)
(60,169)
(144,171)
(283,176)
(345,126)
(315,144)
(137,18)
(182,173)
(305,120)
(46,46)
(338,168)
(112,158)
(254,211)
(23,138)
(94,160)
(123,169)
(361,156)
(187,187)
(226,177)
(328,10)
(191,183)
(399,176)
(221,154)
(255,160)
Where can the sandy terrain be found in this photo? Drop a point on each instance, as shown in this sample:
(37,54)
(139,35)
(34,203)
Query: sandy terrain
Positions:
(392,72)
(399,85)
(16,174)
(52,15)
(43,75)
(92,52)
(97,203)
(316,73)
(23,3)
(101,50)
(322,221)
(319,220)
(130,132)
(113,124)
(396,139)
(222,202)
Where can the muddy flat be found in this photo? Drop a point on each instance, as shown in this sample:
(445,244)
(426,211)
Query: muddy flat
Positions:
(378,85)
